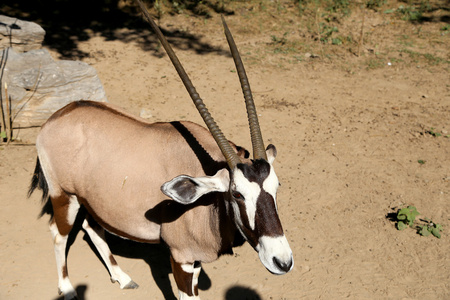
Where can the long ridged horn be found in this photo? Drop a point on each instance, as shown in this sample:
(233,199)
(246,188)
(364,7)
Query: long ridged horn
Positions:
(255,131)
(222,142)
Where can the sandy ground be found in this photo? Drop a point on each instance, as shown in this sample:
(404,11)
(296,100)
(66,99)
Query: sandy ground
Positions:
(348,149)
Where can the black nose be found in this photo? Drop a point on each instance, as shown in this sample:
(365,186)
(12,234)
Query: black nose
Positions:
(282,265)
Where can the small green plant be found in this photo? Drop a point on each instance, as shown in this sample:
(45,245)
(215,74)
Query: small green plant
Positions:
(158,7)
(409,13)
(430,228)
(414,12)
(338,6)
(430,59)
(406,217)
(336,41)
(278,40)
(374,4)
(375,63)
(433,132)
(421,161)
(326,31)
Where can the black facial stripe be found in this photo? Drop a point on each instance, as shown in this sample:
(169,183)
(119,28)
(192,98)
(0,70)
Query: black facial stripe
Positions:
(251,235)
(267,221)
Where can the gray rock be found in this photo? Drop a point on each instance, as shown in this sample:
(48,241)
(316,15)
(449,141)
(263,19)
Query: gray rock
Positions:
(21,35)
(39,85)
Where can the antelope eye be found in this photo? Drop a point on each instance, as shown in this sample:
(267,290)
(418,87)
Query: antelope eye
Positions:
(238,196)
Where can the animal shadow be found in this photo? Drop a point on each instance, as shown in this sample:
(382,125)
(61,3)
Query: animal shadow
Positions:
(157,256)
(241,293)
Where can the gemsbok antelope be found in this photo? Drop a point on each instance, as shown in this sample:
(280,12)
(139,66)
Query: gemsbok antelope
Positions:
(176,183)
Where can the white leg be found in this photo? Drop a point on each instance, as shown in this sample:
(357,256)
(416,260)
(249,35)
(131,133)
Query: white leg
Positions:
(60,243)
(195,275)
(65,212)
(184,296)
(97,235)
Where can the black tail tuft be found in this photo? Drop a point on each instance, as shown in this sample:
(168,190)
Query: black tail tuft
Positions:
(38,181)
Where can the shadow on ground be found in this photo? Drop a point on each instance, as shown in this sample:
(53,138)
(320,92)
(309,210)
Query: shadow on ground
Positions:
(67,23)
(157,256)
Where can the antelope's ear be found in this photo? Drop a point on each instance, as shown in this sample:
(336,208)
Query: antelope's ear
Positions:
(186,189)
(271,153)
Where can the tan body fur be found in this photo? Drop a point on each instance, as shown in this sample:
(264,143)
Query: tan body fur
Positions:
(116,163)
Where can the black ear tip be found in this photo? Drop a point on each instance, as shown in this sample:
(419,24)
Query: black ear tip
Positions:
(273,149)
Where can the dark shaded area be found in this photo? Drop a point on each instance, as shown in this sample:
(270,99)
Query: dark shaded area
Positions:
(241,293)
(157,256)
(169,211)
(392,216)
(209,165)
(38,181)
(69,22)
(415,10)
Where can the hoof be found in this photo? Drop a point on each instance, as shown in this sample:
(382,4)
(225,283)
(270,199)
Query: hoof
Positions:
(131,285)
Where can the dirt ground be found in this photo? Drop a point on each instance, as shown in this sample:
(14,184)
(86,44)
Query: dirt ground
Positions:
(350,131)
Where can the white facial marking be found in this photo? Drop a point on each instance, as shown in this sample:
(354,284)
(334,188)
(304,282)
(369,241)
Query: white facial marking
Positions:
(250,191)
(270,248)
(271,184)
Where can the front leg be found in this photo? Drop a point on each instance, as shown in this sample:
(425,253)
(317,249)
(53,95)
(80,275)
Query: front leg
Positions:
(186,277)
